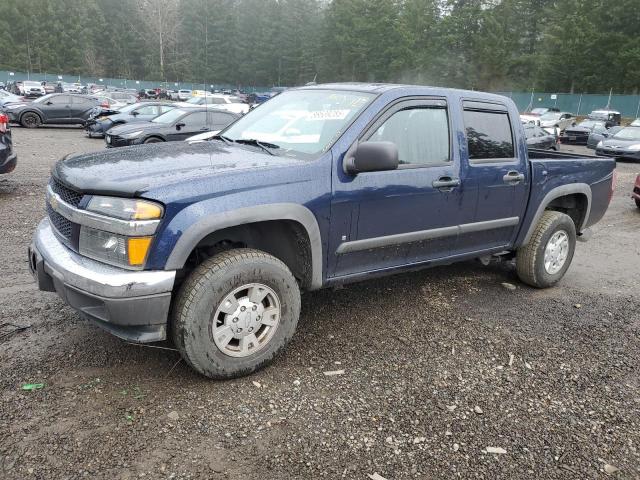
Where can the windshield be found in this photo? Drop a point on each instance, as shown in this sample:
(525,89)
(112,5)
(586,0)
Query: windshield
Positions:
(550,116)
(539,111)
(31,84)
(301,121)
(630,133)
(170,116)
(590,124)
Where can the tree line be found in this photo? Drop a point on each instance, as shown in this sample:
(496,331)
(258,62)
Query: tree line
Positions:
(546,45)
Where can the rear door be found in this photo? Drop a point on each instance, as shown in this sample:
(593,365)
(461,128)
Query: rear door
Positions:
(80,108)
(498,172)
(219,120)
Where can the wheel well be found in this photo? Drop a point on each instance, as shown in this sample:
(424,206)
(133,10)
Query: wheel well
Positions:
(574,205)
(155,136)
(286,240)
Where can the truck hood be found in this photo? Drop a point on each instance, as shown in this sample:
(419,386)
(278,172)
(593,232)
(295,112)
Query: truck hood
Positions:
(131,171)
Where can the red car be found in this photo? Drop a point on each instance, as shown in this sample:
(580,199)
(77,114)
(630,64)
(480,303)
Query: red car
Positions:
(636,191)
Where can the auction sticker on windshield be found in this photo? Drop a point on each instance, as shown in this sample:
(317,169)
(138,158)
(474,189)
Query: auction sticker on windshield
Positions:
(328,115)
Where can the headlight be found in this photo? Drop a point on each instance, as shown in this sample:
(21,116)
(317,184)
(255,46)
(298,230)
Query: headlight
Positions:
(600,144)
(118,250)
(131,135)
(125,208)
(634,148)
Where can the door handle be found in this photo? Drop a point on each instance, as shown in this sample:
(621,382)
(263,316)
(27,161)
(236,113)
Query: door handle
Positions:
(446,183)
(513,177)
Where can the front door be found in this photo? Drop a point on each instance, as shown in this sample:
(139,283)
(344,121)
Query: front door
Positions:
(189,125)
(383,220)
(57,109)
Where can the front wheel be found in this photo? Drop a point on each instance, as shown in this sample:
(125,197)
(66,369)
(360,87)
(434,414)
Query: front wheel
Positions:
(152,140)
(235,313)
(543,261)
(30,120)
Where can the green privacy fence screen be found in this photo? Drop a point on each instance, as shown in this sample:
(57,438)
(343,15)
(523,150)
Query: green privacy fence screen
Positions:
(579,104)
(11,76)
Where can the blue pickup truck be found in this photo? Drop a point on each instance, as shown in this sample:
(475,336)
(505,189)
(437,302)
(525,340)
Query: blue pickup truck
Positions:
(211,243)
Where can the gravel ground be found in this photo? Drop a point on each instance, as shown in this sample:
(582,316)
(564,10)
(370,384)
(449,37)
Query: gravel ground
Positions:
(439,367)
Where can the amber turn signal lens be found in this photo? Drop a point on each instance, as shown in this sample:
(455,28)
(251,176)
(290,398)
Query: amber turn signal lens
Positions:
(147,211)
(137,248)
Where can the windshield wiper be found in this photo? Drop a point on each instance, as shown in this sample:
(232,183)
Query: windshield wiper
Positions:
(226,140)
(266,146)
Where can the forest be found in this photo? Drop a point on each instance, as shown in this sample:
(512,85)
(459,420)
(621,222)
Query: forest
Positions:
(581,46)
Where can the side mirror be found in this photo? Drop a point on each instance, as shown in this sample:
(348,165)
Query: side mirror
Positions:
(179,126)
(49,103)
(372,157)
(135,114)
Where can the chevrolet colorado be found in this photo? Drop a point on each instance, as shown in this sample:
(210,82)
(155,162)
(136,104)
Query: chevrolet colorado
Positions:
(211,243)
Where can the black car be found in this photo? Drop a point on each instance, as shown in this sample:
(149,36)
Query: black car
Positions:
(624,144)
(101,121)
(539,138)
(8,158)
(600,133)
(55,108)
(176,124)
(579,135)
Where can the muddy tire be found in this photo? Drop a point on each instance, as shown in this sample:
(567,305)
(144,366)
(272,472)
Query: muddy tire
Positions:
(235,313)
(545,259)
(30,120)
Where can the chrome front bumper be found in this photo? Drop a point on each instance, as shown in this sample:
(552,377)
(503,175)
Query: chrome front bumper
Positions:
(130,304)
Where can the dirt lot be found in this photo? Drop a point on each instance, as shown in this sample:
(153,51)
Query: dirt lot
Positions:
(439,365)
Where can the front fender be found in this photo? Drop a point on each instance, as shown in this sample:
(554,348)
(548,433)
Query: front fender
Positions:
(277,211)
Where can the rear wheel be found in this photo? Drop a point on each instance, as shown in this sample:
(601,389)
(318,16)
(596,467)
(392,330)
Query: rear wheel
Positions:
(235,313)
(545,259)
(30,120)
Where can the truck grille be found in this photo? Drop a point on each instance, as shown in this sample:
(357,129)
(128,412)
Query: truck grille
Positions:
(66,194)
(61,224)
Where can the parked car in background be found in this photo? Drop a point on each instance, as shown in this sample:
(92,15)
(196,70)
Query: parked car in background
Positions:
(213,242)
(31,89)
(223,102)
(539,138)
(137,112)
(535,114)
(2,86)
(148,93)
(115,100)
(635,123)
(557,120)
(71,88)
(635,194)
(54,108)
(8,97)
(600,133)
(624,144)
(176,124)
(49,87)
(183,95)
(8,157)
(611,118)
(579,135)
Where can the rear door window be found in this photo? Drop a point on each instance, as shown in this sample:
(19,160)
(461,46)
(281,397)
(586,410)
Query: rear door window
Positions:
(489,134)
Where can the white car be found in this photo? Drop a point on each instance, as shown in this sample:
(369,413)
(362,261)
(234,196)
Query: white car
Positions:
(557,120)
(31,89)
(223,102)
(183,95)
